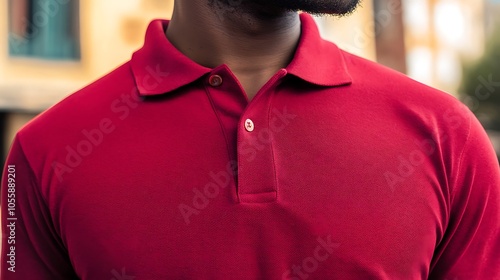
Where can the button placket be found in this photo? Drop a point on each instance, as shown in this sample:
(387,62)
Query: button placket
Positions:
(249,123)
(256,163)
(256,169)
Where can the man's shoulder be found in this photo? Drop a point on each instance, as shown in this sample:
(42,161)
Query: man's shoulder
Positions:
(402,102)
(84,105)
(84,110)
(378,81)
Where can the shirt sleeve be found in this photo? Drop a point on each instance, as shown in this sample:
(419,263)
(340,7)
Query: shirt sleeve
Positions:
(470,248)
(31,248)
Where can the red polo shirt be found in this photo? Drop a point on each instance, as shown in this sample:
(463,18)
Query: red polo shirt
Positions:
(338,169)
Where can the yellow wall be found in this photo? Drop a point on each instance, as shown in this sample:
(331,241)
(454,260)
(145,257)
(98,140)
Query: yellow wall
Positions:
(110,31)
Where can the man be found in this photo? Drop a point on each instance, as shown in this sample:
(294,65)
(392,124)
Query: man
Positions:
(237,144)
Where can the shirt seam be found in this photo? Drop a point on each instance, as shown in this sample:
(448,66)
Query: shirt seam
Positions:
(37,180)
(460,160)
(271,102)
(224,133)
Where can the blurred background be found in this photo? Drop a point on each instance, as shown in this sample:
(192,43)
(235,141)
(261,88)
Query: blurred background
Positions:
(51,48)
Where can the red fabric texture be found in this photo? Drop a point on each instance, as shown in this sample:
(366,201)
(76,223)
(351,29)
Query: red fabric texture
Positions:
(352,171)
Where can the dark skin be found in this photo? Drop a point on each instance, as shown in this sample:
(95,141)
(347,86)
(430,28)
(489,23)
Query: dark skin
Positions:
(254,39)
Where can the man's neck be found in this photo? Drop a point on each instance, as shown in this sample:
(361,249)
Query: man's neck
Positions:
(254,44)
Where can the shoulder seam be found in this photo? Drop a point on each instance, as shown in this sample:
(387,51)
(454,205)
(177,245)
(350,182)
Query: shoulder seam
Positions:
(461,158)
(33,174)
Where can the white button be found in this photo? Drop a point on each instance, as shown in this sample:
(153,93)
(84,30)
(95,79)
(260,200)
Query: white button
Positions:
(249,126)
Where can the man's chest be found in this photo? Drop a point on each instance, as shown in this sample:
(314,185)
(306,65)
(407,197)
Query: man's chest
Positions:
(182,200)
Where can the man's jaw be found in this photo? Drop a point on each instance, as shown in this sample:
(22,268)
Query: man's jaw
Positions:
(266,8)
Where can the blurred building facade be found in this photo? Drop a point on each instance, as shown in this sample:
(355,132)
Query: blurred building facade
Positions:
(440,36)
(492,17)
(55,47)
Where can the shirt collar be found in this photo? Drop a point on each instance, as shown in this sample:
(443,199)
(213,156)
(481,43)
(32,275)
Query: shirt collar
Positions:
(316,60)
(158,67)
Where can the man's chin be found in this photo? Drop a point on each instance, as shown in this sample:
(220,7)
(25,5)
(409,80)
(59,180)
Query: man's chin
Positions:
(318,7)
